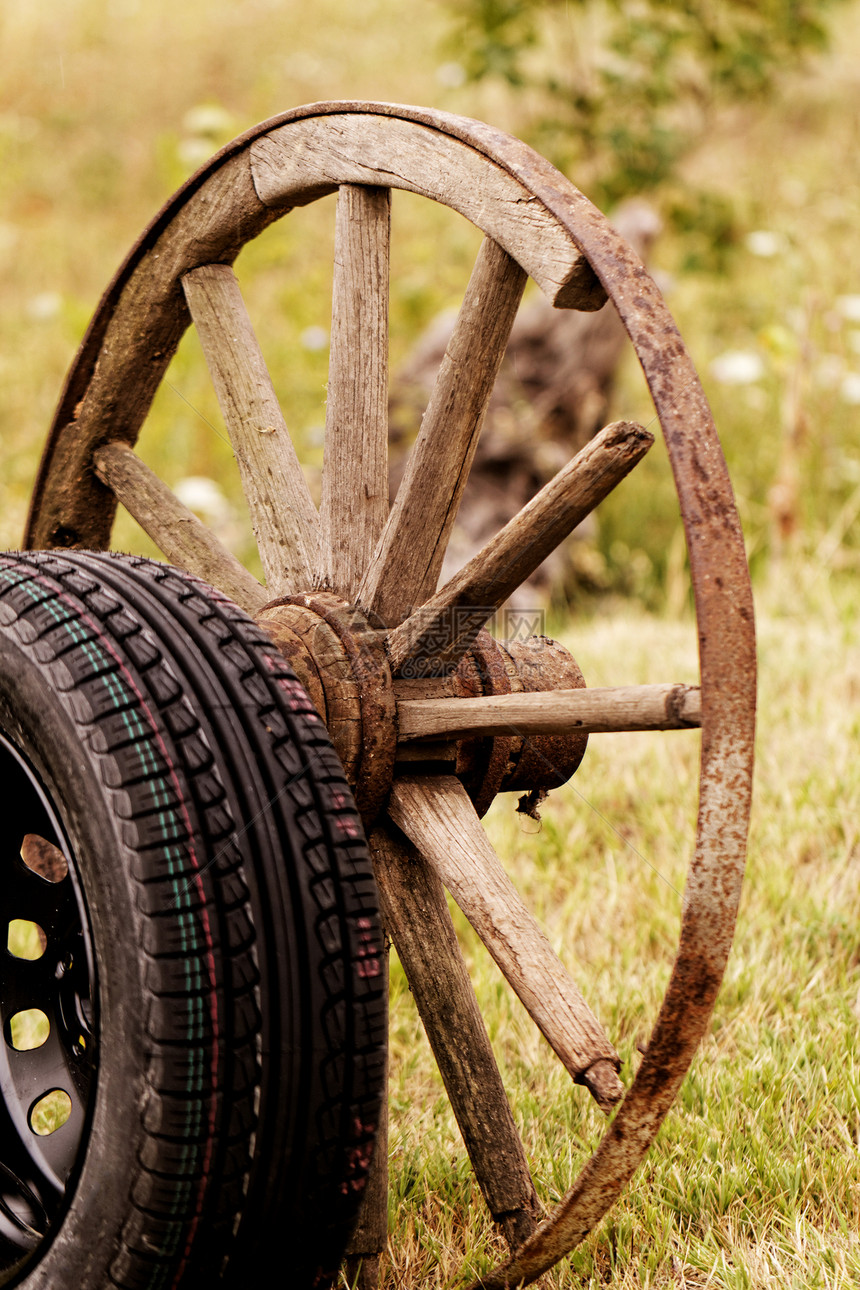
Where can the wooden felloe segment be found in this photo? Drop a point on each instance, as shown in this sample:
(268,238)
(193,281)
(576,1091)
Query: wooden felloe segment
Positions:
(126,352)
(299,162)
(283,515)
(407,563)
(355,471)
(416,917)
(446,625)
(634,707)
(438,818)
(176,531)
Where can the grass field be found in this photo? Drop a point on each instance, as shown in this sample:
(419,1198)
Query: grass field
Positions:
(105,106)
(755,1178)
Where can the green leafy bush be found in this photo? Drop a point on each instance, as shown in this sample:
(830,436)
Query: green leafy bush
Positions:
(618,92)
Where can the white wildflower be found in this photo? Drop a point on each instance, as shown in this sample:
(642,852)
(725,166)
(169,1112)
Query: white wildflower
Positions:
(208,119)
(314,338)
(200,493)
(44,306)
(765,243)
(849,307)
(451,75)
(737,367)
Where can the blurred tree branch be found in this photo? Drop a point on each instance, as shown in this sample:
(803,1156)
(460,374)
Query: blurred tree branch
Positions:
(617,92)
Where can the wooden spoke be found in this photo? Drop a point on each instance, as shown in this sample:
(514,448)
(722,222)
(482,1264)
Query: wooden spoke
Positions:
(416,916)
(406,565)
(355,468)
(438,818)
(447,624)
(176,531)
(283,515)
(554,712)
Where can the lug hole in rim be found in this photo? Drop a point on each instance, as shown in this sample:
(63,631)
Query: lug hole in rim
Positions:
(28,1030)
(25,939)
(44,858)
(50,1112)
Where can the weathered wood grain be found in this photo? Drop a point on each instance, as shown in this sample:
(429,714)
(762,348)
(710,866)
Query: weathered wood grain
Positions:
(128,348)
(176,531)
(446,625)
(439,819)
(634,707)
(304,159)
(354,504)
(283,516)
(406,565)
(416,917)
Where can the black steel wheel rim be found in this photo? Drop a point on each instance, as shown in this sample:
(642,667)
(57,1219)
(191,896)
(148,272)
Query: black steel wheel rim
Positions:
(48,1053)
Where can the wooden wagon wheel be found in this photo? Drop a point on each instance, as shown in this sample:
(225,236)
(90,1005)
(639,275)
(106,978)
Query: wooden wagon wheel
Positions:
(351,591)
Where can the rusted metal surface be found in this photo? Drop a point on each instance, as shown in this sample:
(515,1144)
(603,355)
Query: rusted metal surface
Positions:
(512,762)
(482,763)
(543,762)
(142,315)
(724,612)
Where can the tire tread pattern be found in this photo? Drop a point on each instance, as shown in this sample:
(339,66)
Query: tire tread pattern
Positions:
(265,1059)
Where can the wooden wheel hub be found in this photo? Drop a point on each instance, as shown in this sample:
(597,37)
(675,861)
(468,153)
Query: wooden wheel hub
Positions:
(341,658)
(506,761)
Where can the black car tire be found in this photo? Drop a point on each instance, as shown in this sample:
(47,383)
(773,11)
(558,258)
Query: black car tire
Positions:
(223,1042)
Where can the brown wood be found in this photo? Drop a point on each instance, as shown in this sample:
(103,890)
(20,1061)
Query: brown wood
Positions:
(355,469)
(634,707)
(301,161)
(176,531)
(540,763)
(551,396)
(437,816)
(127,351)
(343,657)
(417,918)
(407,563)
(296,650)
(283,515)
(446,625)
(362,1271)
